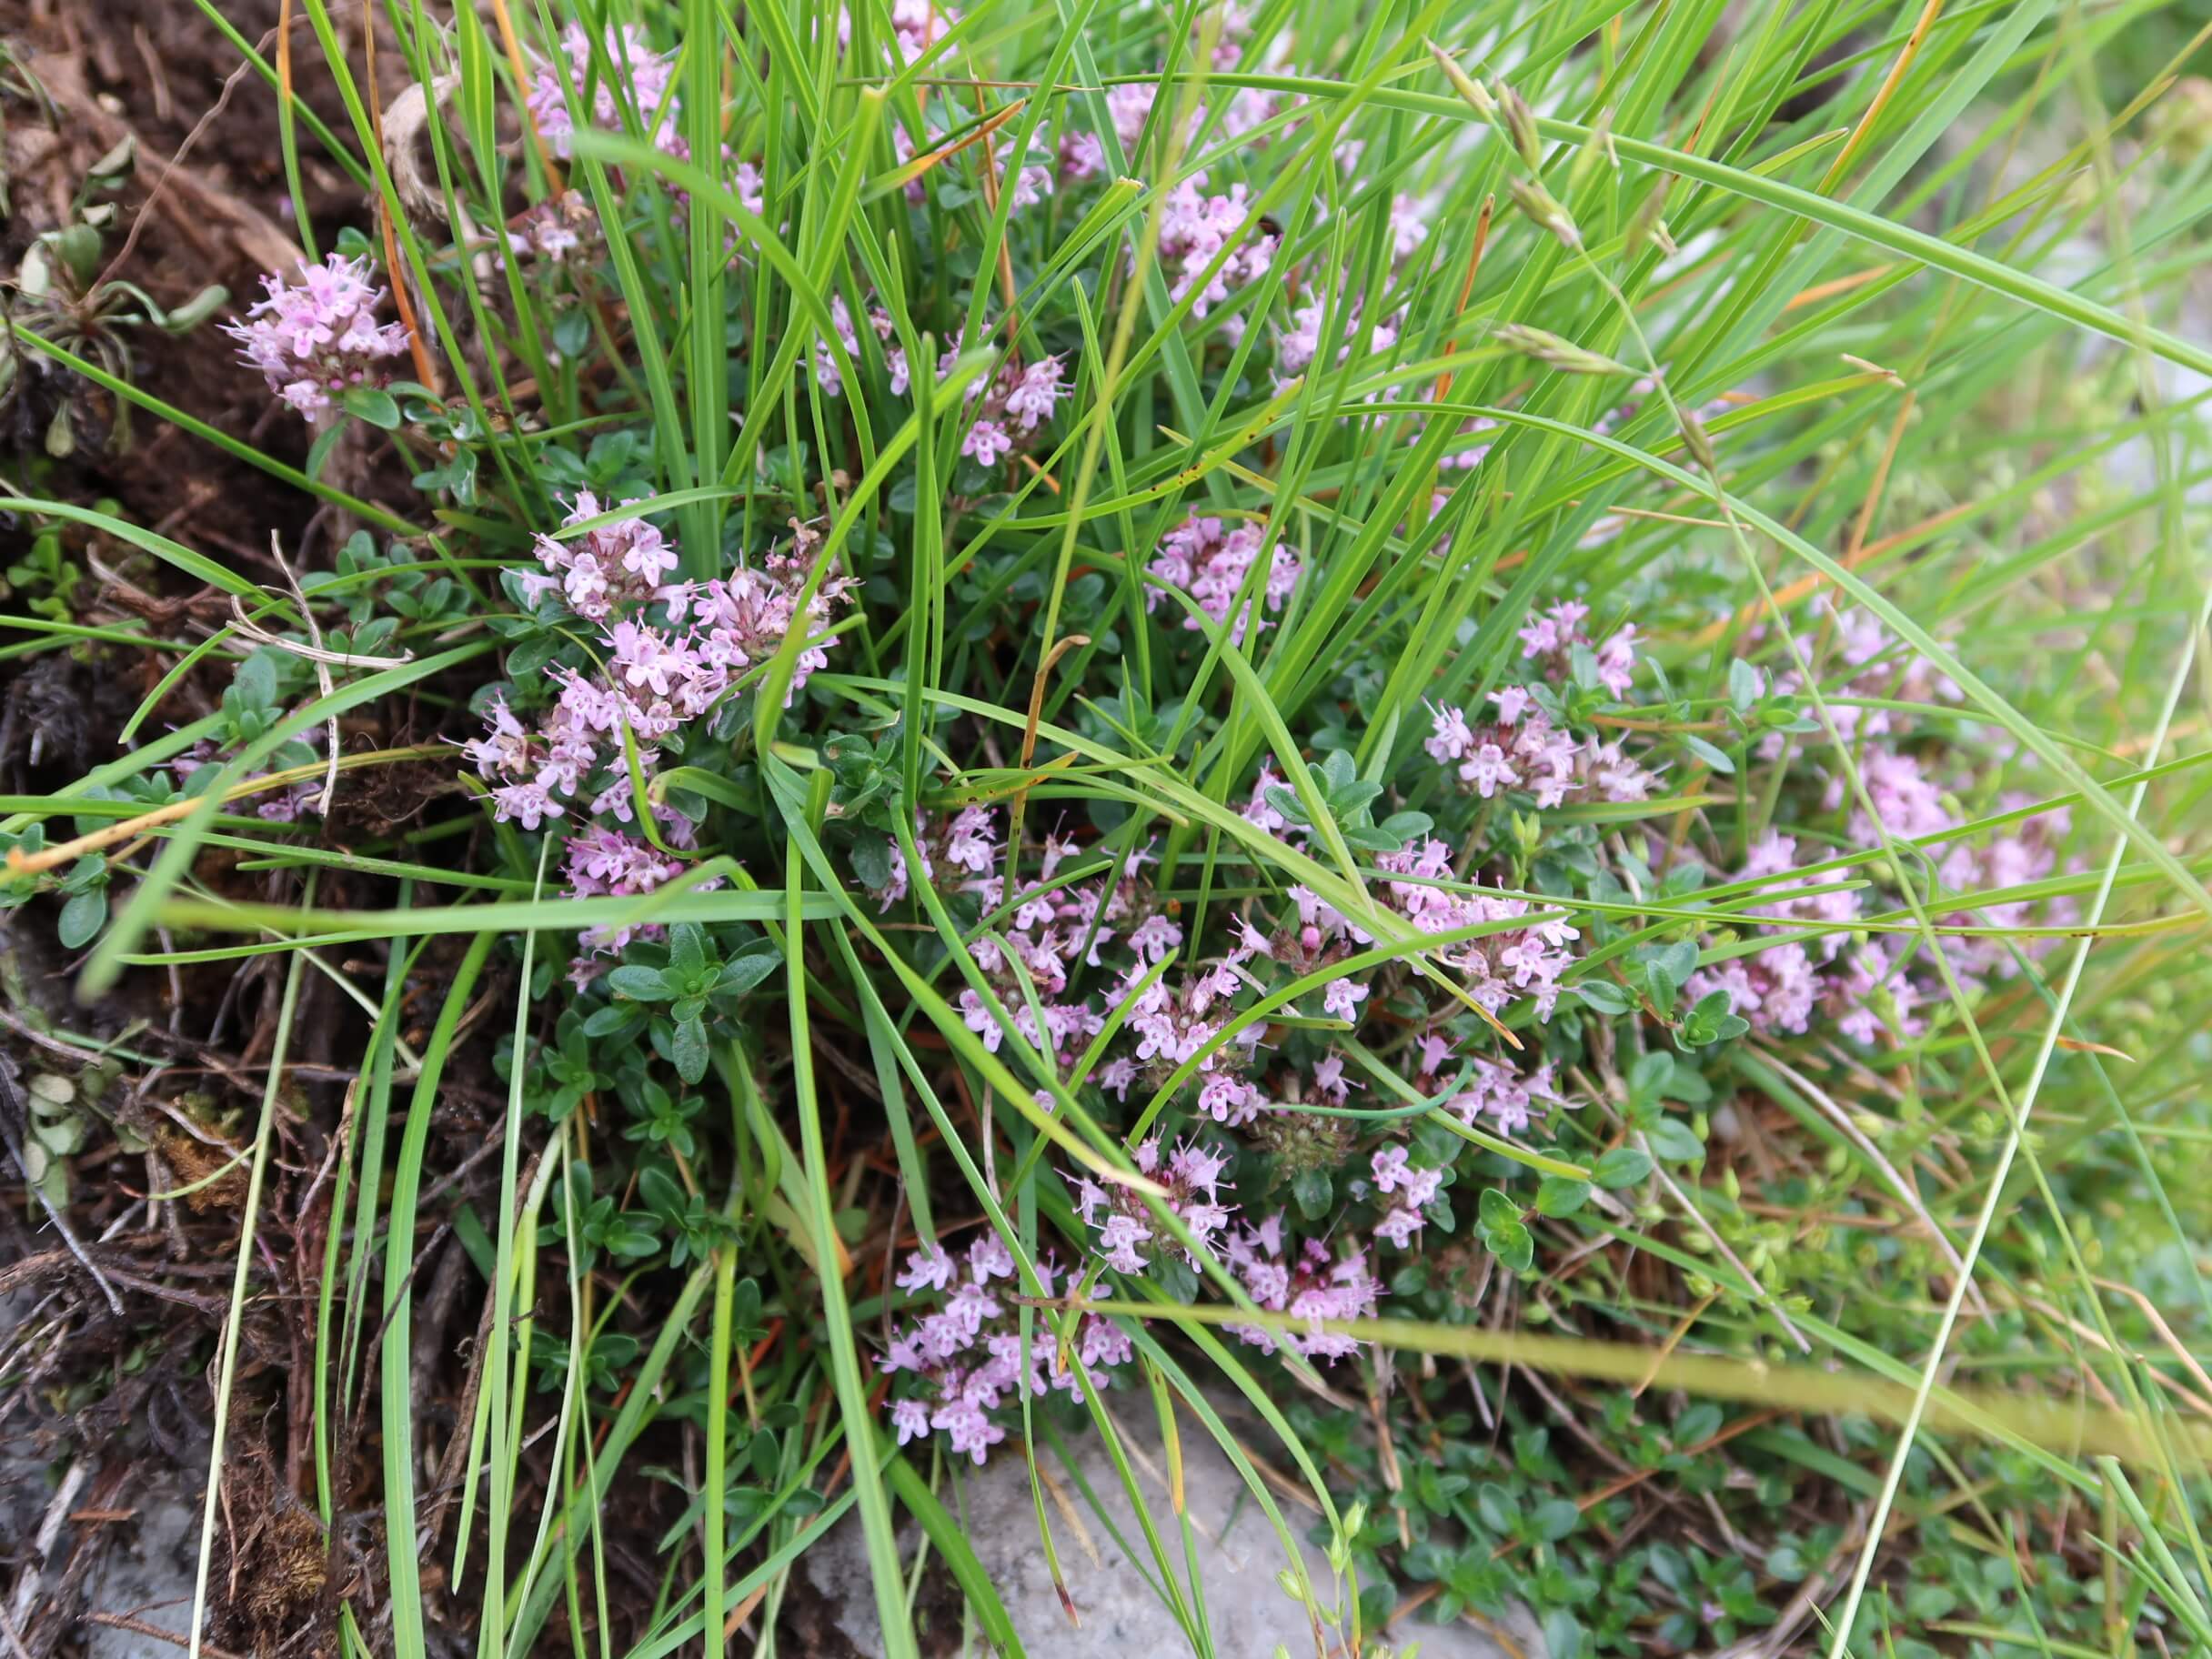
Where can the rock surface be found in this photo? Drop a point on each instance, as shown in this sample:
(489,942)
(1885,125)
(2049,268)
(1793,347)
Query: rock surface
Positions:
(1237,1555)
(147,1575)
(142,1567)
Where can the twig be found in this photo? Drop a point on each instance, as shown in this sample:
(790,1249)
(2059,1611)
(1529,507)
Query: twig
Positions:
(253,630)
(230,84)
(52,1045)
(323,681)
(49,1533)
(139,1627)
(1720,1245)
(19,864)
(2165,1330)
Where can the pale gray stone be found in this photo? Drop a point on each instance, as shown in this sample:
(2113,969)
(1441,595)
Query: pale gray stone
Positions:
(148,1573)
(1121,1616)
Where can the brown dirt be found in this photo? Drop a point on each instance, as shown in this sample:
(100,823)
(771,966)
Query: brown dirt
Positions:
(152,69)
(123,1390)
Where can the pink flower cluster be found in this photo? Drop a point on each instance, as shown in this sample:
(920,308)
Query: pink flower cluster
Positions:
(1003,411)
(1408,1188)
(2030,854)
(1553,636)
(1522,749)
(1046,931)
(648,77)
(1197,222)
(1309,1283)
(658,678)
(1032,182)
(1780,988)
(916,26)
(1296,348)
(613,566)
(964,1358)
(1496,1092)
(826,372)
(1856,658)
(1168,1021)
(1172,1028)
(1130,1235)
(1502,967)
(1130,105)
(554,229)
(1862,984)
(1297,345)
(316,340)
(1209,558)
(1196,226)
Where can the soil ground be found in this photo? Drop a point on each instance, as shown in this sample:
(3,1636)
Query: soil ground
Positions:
(103,1425)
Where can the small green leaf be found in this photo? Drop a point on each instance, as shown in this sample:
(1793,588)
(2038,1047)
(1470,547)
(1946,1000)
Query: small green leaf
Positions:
(1623,1166)
(1496,1506)
(1514,1245)
(612,1020)
(1679,959)
(197,309)
(1704,751)
(639,983)
(319,453)
(83,918)
(1602,995)
(1647,1079)
(79,247)
(1698,1425)
(1554,1518)
(1496,1209)
(372,404)
(1558,1195)
(1746,684)
(1672,1138)
(871,861)
(690,1051)
(531,657)
(659,1190)
(256,681)
(742,972)
(687,950)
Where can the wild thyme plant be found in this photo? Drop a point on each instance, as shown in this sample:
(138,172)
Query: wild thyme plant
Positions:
(1239,703)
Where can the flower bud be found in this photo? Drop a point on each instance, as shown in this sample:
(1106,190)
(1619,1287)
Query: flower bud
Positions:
(1521,126)
(1646,225)
(1465,84)
(1561,354)
(1544,210)
(1697,440)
